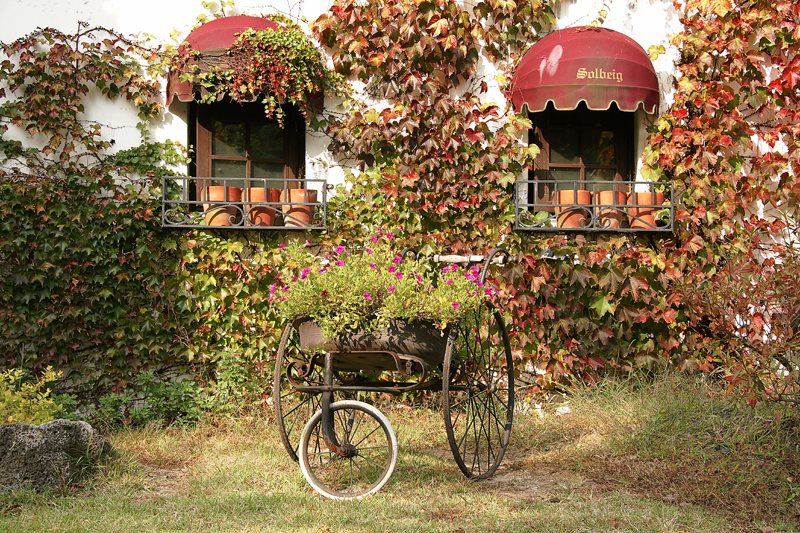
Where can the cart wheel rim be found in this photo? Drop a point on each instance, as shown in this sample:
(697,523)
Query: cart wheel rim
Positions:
(293,409)
(478,392)
(371,446)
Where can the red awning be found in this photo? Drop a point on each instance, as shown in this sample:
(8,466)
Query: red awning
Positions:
(594,65)
(216,36)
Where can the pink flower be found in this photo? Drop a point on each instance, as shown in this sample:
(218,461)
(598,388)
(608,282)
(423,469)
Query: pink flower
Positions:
(373,266)
(455,305)
(367,296)
(399,275)
(368,250)
(339,263)
(281,246)
(339,249)
(391,289)
(397,260)
(373,238)
(389,236)
(304,273)
(324,293)
(391,268)
(449,281)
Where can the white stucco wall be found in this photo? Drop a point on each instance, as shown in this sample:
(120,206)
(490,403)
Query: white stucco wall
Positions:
(649,22)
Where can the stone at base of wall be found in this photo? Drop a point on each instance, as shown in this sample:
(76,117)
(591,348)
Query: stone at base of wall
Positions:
(39,457)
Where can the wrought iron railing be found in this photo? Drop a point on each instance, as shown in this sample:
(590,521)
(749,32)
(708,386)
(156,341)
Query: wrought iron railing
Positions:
(600,206)
(236,203)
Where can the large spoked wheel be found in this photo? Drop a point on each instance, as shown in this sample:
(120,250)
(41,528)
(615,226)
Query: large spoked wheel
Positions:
(367,452)
(478,392)
(294,409)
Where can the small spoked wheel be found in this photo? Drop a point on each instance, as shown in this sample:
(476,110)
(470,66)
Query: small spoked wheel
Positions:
(367,451)
(478,392)
(293,409)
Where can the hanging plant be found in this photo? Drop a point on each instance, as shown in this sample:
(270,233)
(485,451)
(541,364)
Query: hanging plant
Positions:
(278,66)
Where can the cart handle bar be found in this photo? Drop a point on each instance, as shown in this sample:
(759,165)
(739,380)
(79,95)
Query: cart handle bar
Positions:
(451,259)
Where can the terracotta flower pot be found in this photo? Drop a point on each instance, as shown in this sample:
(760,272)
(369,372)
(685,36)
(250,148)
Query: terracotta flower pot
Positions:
(298,215)
(570,216)
(610,217)
(644,217)
(222,216)
(261,215)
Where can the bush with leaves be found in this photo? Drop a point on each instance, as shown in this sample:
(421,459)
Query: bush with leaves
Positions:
(22,401)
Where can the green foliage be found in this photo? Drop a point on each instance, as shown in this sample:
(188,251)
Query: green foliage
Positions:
(277,66)
(25,402)
(367,285)
(46,76)
(152,400)
(238,385)
(87,282)
(87,275)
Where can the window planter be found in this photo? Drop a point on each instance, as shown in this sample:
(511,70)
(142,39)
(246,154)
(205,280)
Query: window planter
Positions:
(614,208)
(186,203)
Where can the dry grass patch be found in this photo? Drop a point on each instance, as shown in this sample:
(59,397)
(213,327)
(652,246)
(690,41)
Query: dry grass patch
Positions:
(677,440)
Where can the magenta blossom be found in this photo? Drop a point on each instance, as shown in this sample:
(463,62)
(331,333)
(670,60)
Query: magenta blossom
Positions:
(373,266)
(339,263)
(397,260)
(339,249)
(374,238)
(281,246)
(324,293)
(368,250)
(399,275)
(449,281)
(367,296)
(391,268)
(455,305)
(391,289)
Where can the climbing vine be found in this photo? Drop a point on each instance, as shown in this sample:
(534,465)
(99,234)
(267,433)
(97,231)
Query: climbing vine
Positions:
(730,141)
(84,276)
(276,66)
(434,154)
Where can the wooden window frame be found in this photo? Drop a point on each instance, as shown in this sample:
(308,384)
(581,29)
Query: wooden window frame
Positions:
(249,113)
(549,120)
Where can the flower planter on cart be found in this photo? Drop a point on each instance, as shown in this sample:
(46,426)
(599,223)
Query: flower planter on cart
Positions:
(347,449)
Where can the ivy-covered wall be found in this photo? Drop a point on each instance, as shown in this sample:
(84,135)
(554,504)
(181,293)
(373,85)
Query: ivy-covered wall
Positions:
(430,152)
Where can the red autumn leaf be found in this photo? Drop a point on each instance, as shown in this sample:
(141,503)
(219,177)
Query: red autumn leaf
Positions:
(439,27)
(474,136)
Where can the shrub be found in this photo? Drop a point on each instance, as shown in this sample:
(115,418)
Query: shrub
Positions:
(27,402)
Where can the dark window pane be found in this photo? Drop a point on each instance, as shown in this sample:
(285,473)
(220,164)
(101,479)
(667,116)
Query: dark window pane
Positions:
(266,141)
(565,146)
(565,174)
(272,172)
(598,148)
(229,169)
(229,139)
(601,174)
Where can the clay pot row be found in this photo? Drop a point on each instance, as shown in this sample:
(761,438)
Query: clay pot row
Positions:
(258,214)
(610,217)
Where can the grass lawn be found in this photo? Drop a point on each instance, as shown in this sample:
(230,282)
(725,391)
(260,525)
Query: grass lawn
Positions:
(664,456)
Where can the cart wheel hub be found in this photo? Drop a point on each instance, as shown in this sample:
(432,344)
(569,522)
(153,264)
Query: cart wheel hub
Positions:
(348,450)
